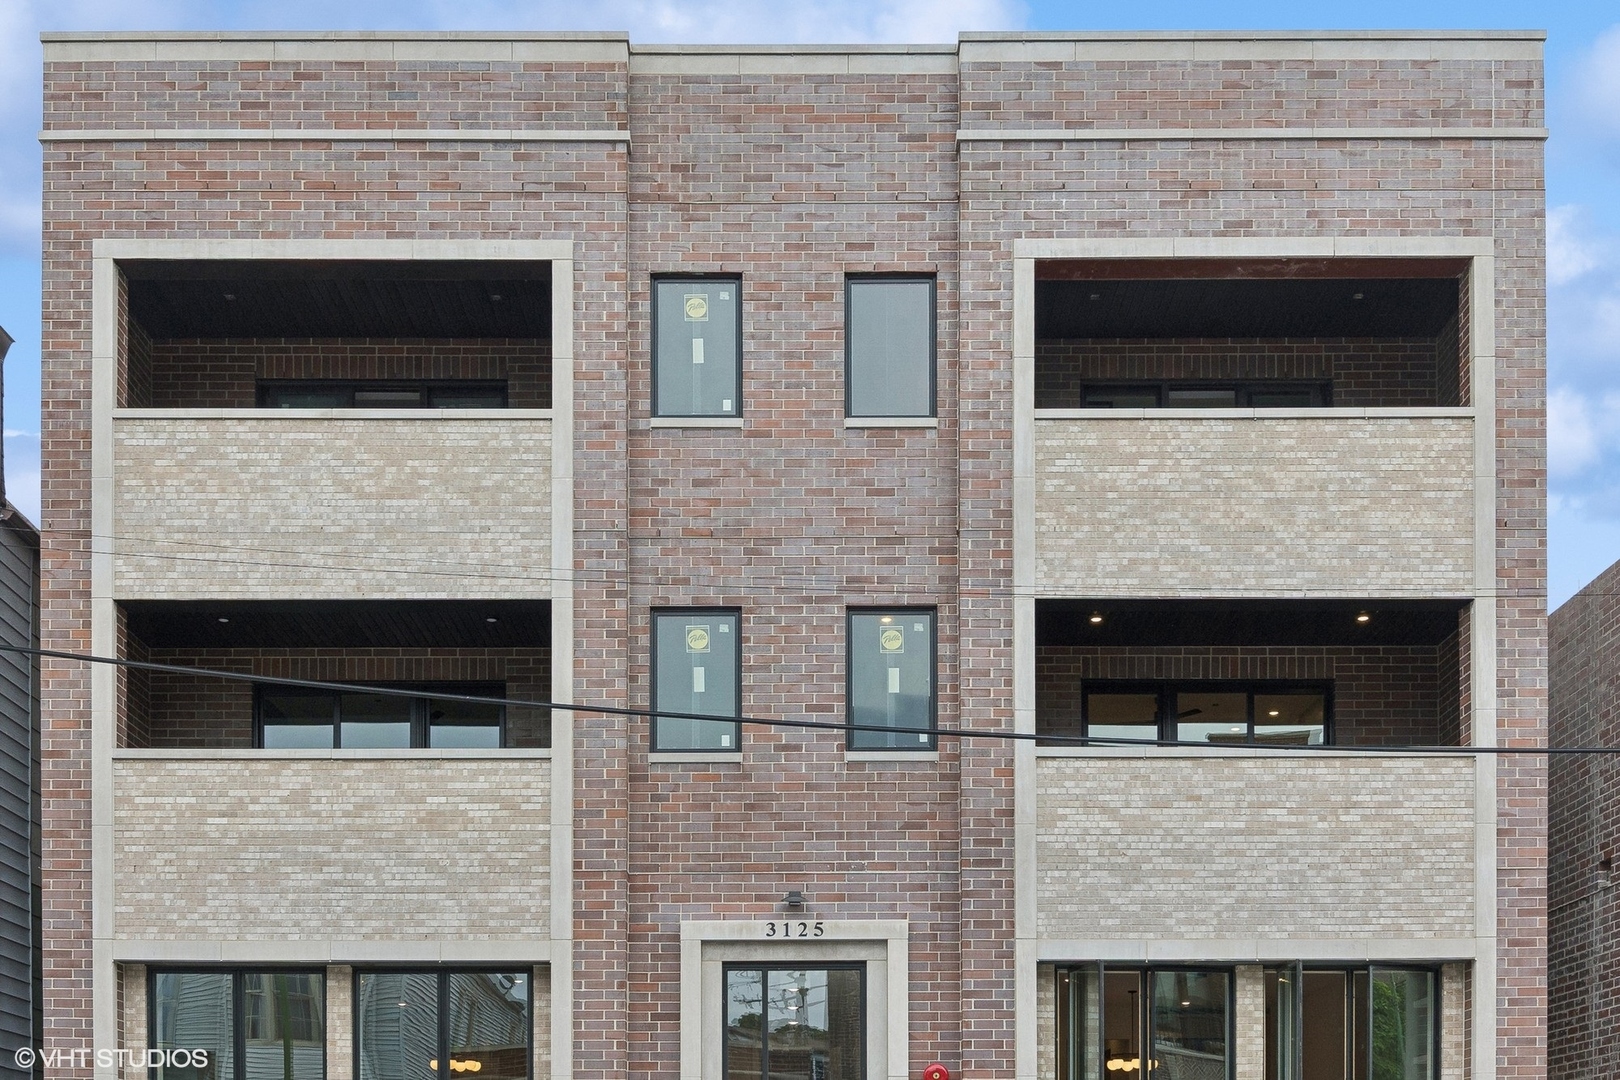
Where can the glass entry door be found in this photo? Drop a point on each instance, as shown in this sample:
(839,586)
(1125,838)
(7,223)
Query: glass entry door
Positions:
(1144,1023)
(1351,1024)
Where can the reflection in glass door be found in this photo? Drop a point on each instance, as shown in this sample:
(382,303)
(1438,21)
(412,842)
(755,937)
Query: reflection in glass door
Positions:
(1356,1024)
(1144,1024)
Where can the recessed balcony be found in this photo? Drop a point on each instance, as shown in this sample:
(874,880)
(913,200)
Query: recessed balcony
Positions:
(1206,429)
(320,429)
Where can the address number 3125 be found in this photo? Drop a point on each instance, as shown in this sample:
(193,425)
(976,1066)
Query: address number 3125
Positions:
(791,929)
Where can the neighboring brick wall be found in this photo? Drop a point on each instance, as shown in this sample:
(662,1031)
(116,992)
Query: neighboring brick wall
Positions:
(222,374)
(200,710)
(1382,696)
(412,848)
(1364,372)
(1584,923)
(1240,847)
(1275,505)
(364,508)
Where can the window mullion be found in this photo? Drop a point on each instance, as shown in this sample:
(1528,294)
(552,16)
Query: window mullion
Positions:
(238,1025)
(444,1025)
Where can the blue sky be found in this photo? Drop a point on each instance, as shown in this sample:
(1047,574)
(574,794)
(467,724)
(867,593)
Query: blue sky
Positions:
(1583,163)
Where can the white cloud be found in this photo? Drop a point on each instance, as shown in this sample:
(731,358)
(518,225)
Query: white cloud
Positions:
(1597,81)
(1572,437)
(1571,248)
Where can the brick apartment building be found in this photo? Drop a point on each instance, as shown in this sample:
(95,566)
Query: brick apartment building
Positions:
(1584,710)
(1163,387)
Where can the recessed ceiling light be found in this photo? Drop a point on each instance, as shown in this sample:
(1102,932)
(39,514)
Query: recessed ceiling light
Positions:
(1274,712)
(1358,296)
(230,296)
(223,619)
(1363,617)
(1096,618)
(489,618)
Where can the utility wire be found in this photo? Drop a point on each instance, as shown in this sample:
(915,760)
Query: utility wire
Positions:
(757,721)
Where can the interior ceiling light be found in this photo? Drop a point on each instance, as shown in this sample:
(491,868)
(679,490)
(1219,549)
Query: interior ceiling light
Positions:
(1274,712)
(230,296)
(1096,618)
(1363,617)
(1357,296)
(490,618)
(223,619)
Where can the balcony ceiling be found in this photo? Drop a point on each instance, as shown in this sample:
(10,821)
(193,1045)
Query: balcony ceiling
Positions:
(225,298)
(1244,308)
(1245,622)
(340,624)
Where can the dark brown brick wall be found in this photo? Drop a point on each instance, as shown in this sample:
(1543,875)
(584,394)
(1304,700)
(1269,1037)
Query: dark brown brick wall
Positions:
(1382,696)
(1584,804)
(1364,372)
(200,710)
(200,374)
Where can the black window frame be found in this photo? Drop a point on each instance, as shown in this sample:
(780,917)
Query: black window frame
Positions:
(1167,689)
(653,358)
(765,967)
(264,388)
(237,975)
(419,694)
(850,732)
(443,974)
(652,676)
(1243,391)
(1069,1069)
(852,280)
(1436,1003)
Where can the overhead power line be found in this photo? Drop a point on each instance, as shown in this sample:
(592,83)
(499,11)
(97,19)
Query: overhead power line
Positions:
(812,725)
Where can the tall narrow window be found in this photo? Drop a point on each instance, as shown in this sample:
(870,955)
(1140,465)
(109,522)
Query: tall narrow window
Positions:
(696,668)
(891,691)
(889,346)
(787,1022)
(697,346)
(253,1025)
(442,1025)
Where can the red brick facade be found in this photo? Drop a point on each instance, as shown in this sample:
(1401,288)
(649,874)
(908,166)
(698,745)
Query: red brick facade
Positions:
(793,179)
